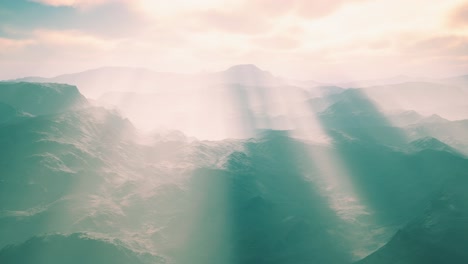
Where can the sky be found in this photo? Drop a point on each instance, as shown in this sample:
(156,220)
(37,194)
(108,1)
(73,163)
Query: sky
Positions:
(322,40)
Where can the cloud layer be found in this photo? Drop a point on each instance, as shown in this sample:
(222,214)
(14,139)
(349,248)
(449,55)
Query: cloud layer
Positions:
(319,39)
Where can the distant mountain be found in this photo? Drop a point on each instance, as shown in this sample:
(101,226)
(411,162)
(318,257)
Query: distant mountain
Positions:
(155,100)
(461,81)
(93,83)
(362,114)
(410,117)
(378,82)
(447,101)
(452,133)
(241,94)
(405,117)
(247,74)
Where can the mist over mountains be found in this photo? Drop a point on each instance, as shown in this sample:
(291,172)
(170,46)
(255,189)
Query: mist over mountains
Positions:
(155,101)
(120,165)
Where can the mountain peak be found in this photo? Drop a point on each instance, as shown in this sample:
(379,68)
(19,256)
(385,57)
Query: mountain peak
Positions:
(431,143)
(248,74)
(244,68)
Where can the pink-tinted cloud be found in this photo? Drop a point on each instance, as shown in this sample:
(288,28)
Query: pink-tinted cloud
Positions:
(229,22)
(439,46)
(261,16)
(75,3)
(319,8)
(10,45)
(309,9)
(277,42)
(459,16)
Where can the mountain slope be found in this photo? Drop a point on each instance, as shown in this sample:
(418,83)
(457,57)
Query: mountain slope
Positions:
(272,198)
(74,248)
(439,235)
(41,98)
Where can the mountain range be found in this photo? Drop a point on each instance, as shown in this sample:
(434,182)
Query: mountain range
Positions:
(322,174)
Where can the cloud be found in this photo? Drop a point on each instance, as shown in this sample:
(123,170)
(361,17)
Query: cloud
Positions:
(70,39)
(459,16)
(308,9)
(259,16)
(229,21)
(299,37)
(10,45)
(439,46)
(44,44)
(319,8)
(119,17)
(74,3)
(106,18)
(277,42)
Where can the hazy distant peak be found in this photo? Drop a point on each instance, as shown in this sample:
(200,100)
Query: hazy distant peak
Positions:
(409,113)
(244,67)
(434,118)
(110,70)
(246,70)
(248,74)
(398,79)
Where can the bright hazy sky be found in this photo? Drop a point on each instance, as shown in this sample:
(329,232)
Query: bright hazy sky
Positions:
(324,40)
